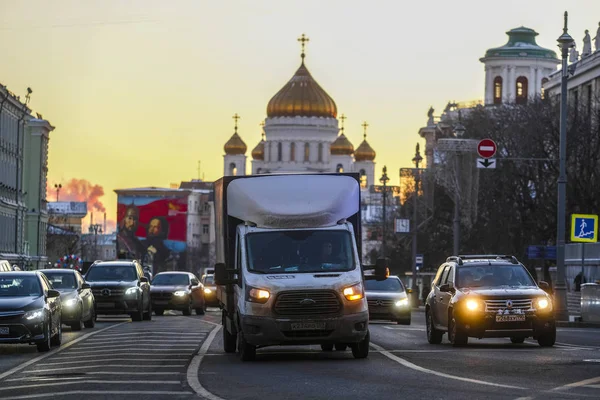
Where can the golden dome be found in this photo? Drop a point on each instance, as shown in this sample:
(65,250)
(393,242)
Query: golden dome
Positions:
(258,153)
(302,97)
(341,146)
(364,152)
(235,145)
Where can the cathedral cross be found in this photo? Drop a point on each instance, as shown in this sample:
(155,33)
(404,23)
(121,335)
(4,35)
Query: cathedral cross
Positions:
(343,119)
(236,117)
(365,125)
(303,39)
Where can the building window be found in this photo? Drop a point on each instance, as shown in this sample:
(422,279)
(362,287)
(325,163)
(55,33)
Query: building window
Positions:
(320,152)
(205,229)
(521,92)
(279,151)
(363,179)
(306,152)
(543,92)
(232,169)
(497,90)
(293,152)
(339,168)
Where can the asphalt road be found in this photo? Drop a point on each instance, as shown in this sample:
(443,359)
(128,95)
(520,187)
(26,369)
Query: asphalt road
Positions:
(174,357)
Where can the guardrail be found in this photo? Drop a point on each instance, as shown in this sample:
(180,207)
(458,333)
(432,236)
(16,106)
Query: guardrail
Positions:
(590,302)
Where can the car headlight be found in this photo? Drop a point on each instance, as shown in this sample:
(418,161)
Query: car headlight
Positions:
(70,303)
(354,292)
(543,304)
(402,303)
(132,290)
(34,314)
(207,291)
(256,295)
(179,293)
(473,305)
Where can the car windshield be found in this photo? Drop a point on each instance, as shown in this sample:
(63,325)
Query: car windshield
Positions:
(208,280)
(171,280)
(19,285)
(117,273)
(388,285)
(61,280)
(493,276)
(300,252)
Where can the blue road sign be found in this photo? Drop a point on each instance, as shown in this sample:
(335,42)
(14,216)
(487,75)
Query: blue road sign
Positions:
(584,228)
(419,261)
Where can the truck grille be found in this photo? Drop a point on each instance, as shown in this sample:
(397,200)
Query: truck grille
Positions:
(517,304)
(307,302)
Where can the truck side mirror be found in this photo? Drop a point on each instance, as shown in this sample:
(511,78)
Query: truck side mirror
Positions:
(381,269)
(220,274)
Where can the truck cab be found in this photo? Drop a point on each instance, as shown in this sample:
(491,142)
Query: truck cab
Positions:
(288,266)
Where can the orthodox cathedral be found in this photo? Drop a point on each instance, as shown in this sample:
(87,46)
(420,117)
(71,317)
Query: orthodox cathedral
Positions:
(302,134)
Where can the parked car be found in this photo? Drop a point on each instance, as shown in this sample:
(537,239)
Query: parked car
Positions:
(210,290)
(30,310)
(120,287)
(388,300)
(176,290)
(78,305)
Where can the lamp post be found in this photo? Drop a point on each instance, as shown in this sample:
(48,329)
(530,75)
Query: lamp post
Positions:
(565,42)
(57,187)
(384,180)
(459,131)
(95,229)
(416,160)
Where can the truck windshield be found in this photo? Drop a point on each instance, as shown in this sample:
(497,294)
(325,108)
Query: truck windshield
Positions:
(300,252)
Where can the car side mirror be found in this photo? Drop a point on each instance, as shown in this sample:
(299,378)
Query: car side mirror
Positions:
(545,286)
(53,293)
(445,288)
(85,286)
(143,279)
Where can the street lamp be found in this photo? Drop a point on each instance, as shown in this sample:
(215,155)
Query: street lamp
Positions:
(95,229)
(416,160)
(57,187)
(384,180)
(565,42)
(459,132)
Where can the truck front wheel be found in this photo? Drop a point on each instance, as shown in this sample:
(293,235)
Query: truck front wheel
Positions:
(361,349)
(246,350)
(229,340)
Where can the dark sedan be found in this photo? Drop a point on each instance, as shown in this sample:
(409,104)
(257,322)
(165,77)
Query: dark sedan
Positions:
(388,300)
(76,296)
(177,291)
(30,311)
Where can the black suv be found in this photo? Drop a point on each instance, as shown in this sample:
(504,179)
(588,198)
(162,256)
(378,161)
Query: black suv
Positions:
(120,287)
(488,296)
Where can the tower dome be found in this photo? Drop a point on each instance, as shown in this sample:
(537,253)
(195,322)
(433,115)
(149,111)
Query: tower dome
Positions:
(258,153)
(521,43)
(364,152)
(235,145)
(342,146)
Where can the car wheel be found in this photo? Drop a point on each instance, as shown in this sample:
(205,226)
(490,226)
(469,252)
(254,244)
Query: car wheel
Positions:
(517,340)
(90,323)
(361,349)
(403,321)
(159,311)
(341,346)
(434,336)
(76,326)
(327,347)
(148,314)
(188,309)
(547,339)
(200,311)
(57,339)
(229,340)
(45,344)
(247,351)
(455,335)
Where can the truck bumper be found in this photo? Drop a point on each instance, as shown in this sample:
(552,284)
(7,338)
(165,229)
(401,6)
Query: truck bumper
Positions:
(269,331)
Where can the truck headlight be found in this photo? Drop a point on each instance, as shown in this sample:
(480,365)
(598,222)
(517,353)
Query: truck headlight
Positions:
(354,292)
(34,314)
(179,293)
(70,303)
(543,304)
(402,303)
(207,291)
(256,295)
(473,305)
(131,291)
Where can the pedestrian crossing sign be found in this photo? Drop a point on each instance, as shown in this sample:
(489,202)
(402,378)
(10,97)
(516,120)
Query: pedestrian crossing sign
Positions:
(584,228)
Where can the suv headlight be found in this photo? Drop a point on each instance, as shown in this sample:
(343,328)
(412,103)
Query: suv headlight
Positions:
(34,314)
(354,292)
(132,290)
(402,303)
(70,303)
(543,303)
(207,291)
(474,305)
(256,295)
(179,293)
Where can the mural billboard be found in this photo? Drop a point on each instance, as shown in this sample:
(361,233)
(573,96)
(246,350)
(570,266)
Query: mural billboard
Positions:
(153,230)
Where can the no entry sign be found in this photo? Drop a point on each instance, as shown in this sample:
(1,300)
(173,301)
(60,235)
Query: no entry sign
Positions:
(486,148)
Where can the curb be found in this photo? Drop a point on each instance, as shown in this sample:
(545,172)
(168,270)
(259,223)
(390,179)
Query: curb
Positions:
(577,324)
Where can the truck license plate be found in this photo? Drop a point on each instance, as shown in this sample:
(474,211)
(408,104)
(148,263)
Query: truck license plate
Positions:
(4,330)
(307,326)
(510,318)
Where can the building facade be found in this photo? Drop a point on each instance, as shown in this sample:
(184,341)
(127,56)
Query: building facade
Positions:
(64,236)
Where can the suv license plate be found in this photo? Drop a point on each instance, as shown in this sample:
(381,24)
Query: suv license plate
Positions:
(510,318)
(307,326)
(4,330)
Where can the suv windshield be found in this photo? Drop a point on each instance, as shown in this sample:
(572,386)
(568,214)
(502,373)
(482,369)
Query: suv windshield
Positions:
(19,285)
(299,252)
(389,285)
(117,273)
(493,276)
(61,280)
(171,280)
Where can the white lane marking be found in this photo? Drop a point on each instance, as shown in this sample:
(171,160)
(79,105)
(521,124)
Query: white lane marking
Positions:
(114,346)
(163,334)
(525,398)
(101,392)
(73,356)
(594,360)
(403,328)
(579,346)
(37,385)
(105,341)
(123,373)
(37,371)
(83,351)
(146,361)
(584,382)
(443,375)
(55,351)
(194,368)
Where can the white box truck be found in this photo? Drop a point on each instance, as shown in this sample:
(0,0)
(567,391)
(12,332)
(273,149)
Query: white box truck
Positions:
(288,268)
